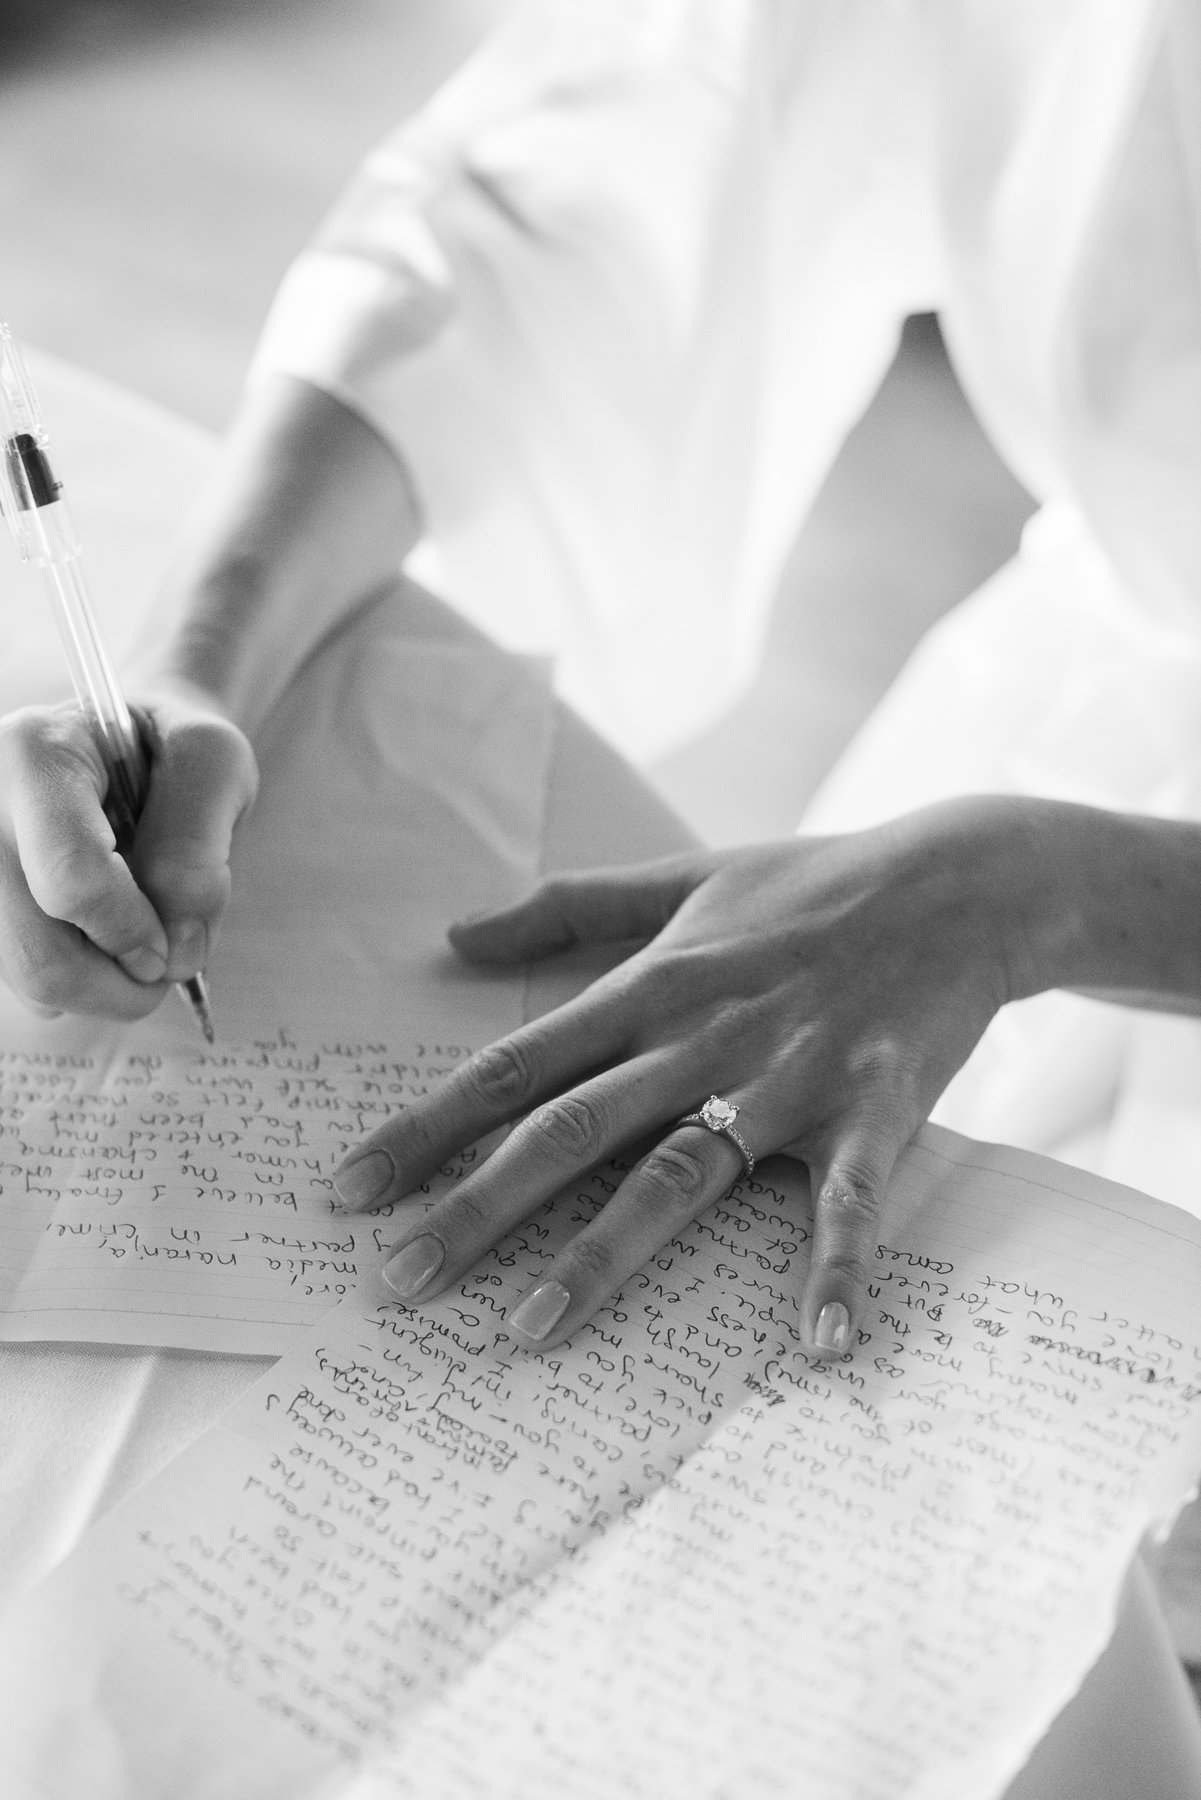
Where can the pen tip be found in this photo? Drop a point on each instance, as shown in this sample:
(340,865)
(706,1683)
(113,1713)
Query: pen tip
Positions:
(195,991)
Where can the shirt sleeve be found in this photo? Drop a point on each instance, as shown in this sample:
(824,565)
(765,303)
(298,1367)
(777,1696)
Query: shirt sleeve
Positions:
(615,296)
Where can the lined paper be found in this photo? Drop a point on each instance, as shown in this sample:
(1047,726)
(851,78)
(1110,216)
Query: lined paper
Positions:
(155,1193)
(677,1557)
(184,1197)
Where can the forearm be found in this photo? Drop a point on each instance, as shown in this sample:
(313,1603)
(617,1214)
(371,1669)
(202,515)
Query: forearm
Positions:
(308,514)
(1105,903)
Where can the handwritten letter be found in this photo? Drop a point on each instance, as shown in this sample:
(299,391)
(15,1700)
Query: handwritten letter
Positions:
(678,1557)
(184,1197)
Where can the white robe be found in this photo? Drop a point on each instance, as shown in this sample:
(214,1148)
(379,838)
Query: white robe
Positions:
(619,292)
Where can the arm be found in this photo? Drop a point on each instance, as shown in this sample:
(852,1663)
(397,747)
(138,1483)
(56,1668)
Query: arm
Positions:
(829,986)
(309,514)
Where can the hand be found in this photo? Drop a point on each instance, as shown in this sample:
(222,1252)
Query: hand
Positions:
(80,929)
(829,987)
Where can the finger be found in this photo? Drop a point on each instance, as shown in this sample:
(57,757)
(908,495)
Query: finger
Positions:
(676,1182)
(491,1088)
(848,1185)
(55,781)
(204,779)
(600,906)
(556,1144)
(52,967)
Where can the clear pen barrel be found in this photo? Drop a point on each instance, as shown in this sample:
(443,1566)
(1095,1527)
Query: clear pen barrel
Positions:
(55,550)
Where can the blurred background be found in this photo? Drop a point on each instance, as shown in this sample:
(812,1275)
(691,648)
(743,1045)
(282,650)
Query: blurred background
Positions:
(161,161)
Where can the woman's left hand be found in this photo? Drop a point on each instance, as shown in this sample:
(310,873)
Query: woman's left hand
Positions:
(828,987)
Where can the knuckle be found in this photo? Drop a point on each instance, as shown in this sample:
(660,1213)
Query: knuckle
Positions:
(42,980)
(662,974)
(42,743)
(48,979)
(414,1142)
(16,738)
(850,1198)
(595,1259)
(464,1219)
(23,732)
(673,1174)
(570,1129)
(499,1076)
(885,1068)
(69,886)
(847,1213)
(849,1269)
(664,985)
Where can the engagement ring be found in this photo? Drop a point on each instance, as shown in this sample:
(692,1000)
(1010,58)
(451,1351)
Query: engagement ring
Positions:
(719,1115)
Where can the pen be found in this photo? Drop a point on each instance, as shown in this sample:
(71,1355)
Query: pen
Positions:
(31,500)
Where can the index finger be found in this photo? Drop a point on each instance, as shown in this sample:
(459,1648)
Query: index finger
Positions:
(55,782)
(493,1087)
(52,967)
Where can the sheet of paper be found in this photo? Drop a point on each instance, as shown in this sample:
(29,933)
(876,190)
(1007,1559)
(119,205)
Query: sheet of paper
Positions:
(404,785)
(157,1193)
(677,1558)
(183,1196)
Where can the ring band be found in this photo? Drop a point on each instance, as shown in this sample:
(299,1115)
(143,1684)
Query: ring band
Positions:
(719,1115)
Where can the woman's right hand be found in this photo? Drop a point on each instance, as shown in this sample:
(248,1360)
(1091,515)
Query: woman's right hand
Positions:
(81,930)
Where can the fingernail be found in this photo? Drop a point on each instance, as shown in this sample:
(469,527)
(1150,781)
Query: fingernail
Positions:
(412,1267)
(833,1329)
(542,1307)
(359,1183)
(144,965)
(188,940)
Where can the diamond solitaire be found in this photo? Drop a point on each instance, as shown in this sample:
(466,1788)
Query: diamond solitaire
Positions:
(718,1115)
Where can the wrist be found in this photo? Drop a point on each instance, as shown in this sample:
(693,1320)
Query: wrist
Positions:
(1100,901)
(203,649)
(990,861)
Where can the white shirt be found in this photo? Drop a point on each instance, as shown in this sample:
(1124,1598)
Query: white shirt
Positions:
(618,293)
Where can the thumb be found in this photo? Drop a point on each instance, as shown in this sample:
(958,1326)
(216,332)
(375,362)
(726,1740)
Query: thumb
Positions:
(597,907)
(848,1185)
(203,779)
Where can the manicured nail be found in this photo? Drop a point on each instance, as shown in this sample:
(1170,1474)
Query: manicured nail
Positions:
(833,1330)
(359,1183)
(412,1267)
(189,941)
(144,965)
(540,1309)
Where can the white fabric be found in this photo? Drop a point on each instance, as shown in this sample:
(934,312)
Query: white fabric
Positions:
(1050,681)
(618,294)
